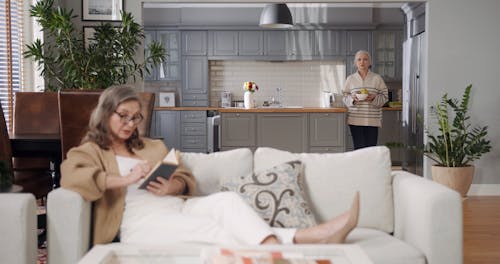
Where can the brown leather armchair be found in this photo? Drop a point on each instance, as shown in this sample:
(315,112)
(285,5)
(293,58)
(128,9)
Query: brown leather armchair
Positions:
(35,113)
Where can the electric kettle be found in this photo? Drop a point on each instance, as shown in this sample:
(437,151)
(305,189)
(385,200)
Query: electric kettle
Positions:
(326,99)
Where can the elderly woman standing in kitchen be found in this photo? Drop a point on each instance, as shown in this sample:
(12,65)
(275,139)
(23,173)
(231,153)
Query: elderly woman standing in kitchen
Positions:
(364,94)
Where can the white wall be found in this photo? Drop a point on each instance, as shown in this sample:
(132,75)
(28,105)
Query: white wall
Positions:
(463,47)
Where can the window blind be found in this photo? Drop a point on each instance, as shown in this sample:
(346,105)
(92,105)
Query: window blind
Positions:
(10,54)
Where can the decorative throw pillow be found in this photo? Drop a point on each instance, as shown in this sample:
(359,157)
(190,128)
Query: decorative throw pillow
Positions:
(276,194)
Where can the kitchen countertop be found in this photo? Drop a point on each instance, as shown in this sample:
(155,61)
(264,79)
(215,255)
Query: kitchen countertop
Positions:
(269,110)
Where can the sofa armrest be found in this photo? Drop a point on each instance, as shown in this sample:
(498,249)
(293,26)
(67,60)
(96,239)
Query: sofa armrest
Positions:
(428,216)
(18,241)
(68,226)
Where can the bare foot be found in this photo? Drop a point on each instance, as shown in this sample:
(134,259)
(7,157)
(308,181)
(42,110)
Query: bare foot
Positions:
(350,221)
(332,231)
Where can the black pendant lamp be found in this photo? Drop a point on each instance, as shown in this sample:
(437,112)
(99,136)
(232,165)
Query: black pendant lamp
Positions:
(276,16)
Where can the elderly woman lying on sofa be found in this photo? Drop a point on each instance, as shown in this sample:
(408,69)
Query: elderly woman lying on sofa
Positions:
(112,159)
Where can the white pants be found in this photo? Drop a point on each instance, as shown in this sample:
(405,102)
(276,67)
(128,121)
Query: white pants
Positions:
(221,218)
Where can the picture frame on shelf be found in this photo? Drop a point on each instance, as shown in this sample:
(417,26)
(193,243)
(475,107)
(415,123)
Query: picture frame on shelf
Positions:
(167,99)
(102,10)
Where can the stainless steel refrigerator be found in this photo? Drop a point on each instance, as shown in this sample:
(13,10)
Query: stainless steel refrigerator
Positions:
(413,101)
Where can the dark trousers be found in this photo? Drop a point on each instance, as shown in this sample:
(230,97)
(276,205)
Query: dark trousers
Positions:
(364,136)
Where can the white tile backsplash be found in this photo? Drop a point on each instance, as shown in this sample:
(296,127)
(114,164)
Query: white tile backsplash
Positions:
(301,81)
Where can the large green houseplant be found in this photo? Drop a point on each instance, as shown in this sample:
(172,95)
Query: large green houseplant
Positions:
(66,61)
(455,145)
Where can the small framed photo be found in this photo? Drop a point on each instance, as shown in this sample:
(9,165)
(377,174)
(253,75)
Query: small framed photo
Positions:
(167,99)
(102,10)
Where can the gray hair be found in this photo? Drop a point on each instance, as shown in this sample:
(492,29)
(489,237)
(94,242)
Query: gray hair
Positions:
(362,52)
(109,101)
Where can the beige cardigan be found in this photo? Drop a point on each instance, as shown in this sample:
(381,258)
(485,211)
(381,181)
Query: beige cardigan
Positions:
(85,171)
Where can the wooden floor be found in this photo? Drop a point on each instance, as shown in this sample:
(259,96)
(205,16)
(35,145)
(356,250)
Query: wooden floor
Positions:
(481,229)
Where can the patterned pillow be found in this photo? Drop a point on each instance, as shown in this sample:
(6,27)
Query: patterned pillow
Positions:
(276,194)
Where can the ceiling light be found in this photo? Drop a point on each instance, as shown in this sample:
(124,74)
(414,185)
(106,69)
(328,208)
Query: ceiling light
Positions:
(276,16)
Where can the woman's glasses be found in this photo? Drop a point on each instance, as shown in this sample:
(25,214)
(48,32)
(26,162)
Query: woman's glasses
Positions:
(125,119)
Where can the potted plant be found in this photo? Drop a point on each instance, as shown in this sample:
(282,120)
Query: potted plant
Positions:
(455,145)
(108,58)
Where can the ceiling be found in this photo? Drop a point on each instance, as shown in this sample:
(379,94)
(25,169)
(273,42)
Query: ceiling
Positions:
(248,14)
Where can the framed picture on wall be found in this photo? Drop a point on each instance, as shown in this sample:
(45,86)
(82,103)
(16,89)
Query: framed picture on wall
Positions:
(167,99)
(102,10)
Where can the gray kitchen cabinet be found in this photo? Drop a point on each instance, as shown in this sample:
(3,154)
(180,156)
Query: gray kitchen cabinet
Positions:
(358,40)
(194,43)
(275,43)
(194,131)
(300,43)
(221,43)
(286,131)
(391,131)
(149,36)
(194,81)
(350,65)
(387,57)
(326,132)
(166,125)
(170,69)
(238,130)
(251,43)
(329,43)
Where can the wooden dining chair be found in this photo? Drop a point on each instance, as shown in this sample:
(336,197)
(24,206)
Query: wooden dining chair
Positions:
(148,104)
(75,108)
(35,113)
(5,148)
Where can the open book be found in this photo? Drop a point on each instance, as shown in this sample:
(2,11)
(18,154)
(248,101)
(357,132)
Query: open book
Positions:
(164,168)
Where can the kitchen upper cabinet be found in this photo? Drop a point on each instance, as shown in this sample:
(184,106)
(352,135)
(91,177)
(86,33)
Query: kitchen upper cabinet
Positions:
(149,37)
(387,57)
(251,43)
(195,81)
(286,131)
(194,43)
(391,131)
(223,43)
(350,65)
(170,69)
(275,43)
(329,43)
(166,125)
(358,40)
(326,132)
(238,130)
(300,42)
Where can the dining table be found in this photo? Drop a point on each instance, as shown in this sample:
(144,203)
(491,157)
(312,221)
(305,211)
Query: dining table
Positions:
(39,145)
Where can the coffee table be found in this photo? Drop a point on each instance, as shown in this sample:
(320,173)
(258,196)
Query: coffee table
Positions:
(190,254)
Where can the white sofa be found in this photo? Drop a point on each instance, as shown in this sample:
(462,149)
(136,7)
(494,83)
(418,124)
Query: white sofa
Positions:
(18,229)
(404,218)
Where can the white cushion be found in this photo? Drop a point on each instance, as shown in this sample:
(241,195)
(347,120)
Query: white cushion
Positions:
(208,169)
(277,195)
(332,179)
(383,248)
